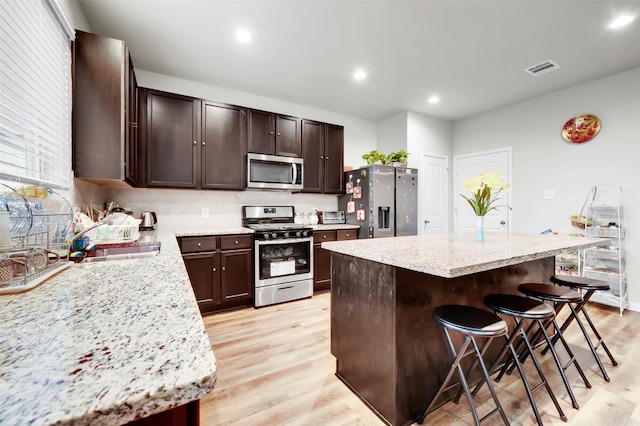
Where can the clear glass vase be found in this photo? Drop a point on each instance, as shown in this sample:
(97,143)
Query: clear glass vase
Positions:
(480,229)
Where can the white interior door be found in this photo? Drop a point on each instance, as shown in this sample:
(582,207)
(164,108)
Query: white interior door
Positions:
(466,167)
(434,173)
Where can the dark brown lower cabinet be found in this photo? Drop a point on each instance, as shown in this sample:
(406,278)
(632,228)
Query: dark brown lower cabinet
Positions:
(184,415)
(322,257)
(220,270)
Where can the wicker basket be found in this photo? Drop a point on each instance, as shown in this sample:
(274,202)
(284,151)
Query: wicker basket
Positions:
(580,221)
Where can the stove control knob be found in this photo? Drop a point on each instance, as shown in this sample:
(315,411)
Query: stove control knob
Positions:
(266,235)
(305,233)
(273,234)
(286,234)
(299,234)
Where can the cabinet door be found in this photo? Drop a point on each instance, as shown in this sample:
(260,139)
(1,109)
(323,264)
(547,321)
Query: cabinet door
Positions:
(204,274)
(321,268)
(236,277)
(132,152)
(261,137)
(172,134)
(224,144)
(334,160)
(288,136)
(313,134)
(99,94)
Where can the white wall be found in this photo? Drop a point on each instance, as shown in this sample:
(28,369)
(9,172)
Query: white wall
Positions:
(392,133)
(543,160)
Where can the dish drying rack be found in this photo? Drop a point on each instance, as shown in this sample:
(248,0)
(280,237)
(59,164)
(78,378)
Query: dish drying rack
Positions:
(36,247)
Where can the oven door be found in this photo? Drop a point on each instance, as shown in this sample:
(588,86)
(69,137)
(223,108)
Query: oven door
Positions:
(283,261)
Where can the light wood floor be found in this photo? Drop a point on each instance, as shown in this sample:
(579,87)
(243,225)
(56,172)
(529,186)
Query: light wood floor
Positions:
(275,368)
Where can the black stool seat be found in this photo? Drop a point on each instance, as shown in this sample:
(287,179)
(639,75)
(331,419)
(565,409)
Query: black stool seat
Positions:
(550,292)
(470,320)
(514,305)
(581,283)
(473,323)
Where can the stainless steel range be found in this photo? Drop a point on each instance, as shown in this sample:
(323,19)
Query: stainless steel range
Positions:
(283,254)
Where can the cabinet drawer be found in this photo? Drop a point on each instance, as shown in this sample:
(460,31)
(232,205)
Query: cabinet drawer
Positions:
(196,244)
(232,242)
(347,234)
(322,236)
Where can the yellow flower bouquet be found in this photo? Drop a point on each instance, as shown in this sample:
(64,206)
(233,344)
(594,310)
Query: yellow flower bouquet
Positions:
(483,195)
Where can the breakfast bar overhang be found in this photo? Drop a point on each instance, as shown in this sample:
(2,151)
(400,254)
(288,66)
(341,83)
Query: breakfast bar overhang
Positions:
(389,350)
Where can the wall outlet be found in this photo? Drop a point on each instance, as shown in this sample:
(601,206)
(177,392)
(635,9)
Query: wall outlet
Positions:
(549,194)
(205,212)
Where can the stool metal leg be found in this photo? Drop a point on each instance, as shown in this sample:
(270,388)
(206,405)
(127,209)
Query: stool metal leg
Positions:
(458,356)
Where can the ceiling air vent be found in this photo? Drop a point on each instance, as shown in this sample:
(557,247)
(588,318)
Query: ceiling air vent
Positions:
(542,68)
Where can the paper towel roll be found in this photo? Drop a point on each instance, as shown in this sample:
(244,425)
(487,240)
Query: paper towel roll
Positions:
(5,239)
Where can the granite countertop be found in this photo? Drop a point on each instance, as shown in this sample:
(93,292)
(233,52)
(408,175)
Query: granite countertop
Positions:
(454,255)
(333,226)
(103,343)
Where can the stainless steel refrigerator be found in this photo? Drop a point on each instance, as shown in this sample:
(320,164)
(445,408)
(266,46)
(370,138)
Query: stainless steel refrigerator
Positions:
(383,200)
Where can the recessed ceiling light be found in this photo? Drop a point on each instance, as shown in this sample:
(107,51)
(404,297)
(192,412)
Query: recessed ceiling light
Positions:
(243,35)
(621,21)
(359,75)
(433,99)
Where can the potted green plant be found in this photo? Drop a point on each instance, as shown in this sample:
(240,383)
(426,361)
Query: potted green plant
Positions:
(374,156)
(399,157)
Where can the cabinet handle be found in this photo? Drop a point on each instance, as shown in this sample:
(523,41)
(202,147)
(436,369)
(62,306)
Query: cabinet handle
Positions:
(324,236)
(271,133)
(199,244)
(322,157)
(348,235)
(236,242)
(278,134)
(195,142)
(214,269)
(203,143)
(224,268)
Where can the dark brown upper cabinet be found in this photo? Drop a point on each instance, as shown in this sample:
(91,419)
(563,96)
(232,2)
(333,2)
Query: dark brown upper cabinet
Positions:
(224,141)
(104,118)
(191,143)
(273,134)
(171,138)
(322,151)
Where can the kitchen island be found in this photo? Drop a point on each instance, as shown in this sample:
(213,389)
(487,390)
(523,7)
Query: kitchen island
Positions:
(388,349)
(105,343)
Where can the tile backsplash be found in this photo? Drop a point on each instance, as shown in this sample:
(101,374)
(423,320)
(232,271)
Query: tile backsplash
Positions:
(182,209)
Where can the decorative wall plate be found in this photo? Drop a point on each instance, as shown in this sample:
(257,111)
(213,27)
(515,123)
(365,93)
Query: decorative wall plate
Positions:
(581,128)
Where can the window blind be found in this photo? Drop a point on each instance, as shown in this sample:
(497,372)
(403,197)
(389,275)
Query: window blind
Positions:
(35,93)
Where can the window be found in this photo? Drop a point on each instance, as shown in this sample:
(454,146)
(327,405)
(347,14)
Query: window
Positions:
(35,93)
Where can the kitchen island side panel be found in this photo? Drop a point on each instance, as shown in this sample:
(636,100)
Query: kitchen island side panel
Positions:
(362,329)
(415,355)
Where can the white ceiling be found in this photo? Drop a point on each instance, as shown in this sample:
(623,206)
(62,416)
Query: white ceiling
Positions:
(471,53)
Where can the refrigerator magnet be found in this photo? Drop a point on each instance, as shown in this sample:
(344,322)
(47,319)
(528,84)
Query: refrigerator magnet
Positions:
(349,185)
(357,191)
(360,214)
(351,206)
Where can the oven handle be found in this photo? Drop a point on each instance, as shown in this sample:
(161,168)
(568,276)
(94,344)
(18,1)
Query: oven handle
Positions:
(295,173)
(286,241)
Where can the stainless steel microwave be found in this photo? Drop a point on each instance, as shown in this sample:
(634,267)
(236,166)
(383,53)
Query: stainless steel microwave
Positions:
(274,172)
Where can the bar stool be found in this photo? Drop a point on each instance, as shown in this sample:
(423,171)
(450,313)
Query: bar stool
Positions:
(523,311)
(588,286)
(473,323)
(559,297)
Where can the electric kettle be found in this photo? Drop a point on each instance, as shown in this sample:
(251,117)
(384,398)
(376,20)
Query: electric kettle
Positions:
(149,220)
